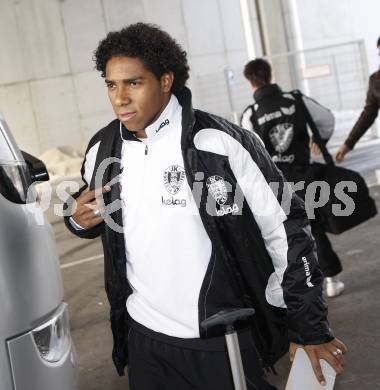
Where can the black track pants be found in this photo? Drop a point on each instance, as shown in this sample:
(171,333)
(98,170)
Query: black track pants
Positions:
(155,365)
(328,259)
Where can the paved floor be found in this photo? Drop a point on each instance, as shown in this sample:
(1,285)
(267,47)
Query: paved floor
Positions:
(355,316)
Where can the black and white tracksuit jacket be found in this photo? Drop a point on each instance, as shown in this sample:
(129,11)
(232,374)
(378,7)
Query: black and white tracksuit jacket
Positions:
(261,252)
(278,118)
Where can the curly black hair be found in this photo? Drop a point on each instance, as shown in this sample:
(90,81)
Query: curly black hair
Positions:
(158,51)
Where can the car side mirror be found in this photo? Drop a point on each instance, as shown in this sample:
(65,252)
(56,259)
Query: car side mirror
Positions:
(37,168)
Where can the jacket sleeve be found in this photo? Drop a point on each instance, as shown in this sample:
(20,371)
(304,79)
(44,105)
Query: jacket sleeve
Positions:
(297,281)
(291,246)
(245,120)
(87,171)
(366,118)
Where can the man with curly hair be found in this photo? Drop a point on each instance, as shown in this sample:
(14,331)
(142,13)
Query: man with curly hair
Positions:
(175,251)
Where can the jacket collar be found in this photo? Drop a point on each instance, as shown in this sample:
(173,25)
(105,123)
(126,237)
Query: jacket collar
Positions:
(163,122)
(266,90)
(188,115)
(188,118)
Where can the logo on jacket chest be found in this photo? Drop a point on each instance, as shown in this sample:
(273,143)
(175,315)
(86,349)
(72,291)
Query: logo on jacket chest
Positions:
(174,176)
(281,137)
(218,190)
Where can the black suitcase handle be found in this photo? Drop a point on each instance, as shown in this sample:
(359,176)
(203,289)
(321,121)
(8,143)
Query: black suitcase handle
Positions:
(227,318)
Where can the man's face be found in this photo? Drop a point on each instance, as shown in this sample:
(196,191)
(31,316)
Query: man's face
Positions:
(136,95)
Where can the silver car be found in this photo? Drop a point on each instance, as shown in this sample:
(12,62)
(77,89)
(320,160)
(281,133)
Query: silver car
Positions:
(36,351)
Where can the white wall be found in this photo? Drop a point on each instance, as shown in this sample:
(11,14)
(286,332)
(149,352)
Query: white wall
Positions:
(325,22)
(50,94)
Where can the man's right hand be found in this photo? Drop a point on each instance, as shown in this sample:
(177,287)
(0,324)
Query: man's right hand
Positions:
(342,151)
(88,210)
(332,352)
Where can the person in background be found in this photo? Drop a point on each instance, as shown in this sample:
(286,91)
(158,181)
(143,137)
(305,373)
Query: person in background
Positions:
(279,119)
(366,118)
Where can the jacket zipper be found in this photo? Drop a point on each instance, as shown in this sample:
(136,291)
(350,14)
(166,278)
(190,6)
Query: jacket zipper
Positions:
(146,150)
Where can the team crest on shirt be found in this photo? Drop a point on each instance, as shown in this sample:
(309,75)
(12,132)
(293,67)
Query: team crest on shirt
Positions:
(217,188)
(174,177)
(281,137)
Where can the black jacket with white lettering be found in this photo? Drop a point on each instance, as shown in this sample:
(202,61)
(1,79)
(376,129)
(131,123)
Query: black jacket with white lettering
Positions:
(259,255)
(279,119)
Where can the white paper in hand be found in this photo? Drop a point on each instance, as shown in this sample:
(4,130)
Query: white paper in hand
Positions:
(302,376)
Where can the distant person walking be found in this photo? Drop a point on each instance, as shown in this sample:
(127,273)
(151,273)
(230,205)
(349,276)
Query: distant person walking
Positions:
(366,118)
(278,118)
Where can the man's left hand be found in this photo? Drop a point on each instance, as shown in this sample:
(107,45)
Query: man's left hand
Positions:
(332,352)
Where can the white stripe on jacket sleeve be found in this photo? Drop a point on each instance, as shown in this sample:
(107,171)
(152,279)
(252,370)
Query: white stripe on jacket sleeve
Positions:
(246,119)
(76,225)
(89,163)
(262,202)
